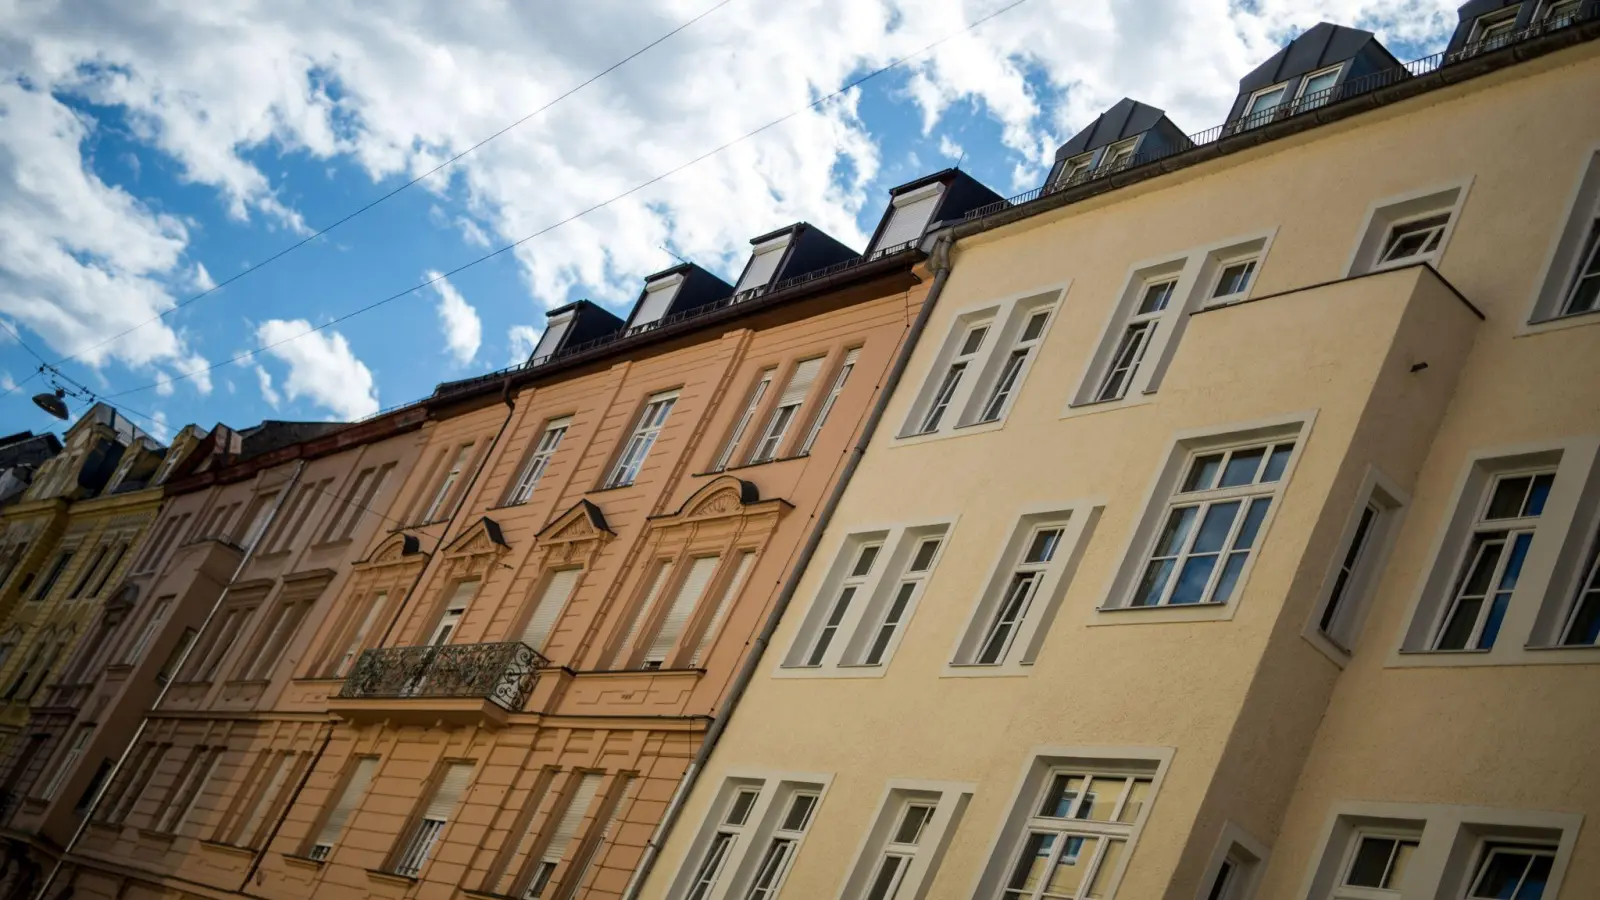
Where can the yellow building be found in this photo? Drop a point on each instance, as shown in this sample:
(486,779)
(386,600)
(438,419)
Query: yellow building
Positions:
(63,548)
(1234,532)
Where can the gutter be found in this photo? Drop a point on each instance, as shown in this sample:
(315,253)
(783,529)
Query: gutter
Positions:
(161,695)
(940,261)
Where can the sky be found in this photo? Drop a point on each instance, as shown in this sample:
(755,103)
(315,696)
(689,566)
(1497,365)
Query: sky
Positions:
(152,151)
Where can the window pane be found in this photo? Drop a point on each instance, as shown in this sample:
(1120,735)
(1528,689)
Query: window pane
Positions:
(739,811)
(1507,501)
(1068,874)
(1277,463)
(1230,577)
(1043,548)
(1058,799)
(1100,888)
(864,561)
(1538,493)
(1399,863)
(1203,473)
(1242,467)
(799,814)
(924,556)
(1135,801)
(1035,326)
(1176,532)
(1215,527)
(1155,297)
(910,830)
(973,341)
(1504,871)
(1153,582)
(882,884)
(1102,798)
(1192,580)
(1030,866)
(1246,537)
(1371,864)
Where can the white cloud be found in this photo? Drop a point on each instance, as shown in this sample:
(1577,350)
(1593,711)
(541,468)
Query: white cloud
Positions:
(523,339)
(7,383)
(201,279)
(268,392)
(463,331)
(158,426)
(950,148)
(321,366)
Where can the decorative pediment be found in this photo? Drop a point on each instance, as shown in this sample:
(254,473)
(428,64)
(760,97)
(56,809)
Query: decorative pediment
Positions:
(395,548)
(723,496)
(481,537)
(583,521)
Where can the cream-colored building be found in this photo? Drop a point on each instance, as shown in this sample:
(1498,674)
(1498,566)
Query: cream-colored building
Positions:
(1233,532)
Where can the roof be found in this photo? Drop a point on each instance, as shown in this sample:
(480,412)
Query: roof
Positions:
(1126,118)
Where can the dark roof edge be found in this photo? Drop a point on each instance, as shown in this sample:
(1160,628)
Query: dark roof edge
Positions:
(925,180)
(1405,89)
(791,228)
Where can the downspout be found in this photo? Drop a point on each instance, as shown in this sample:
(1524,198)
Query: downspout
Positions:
(161,695)
(255,861)
(939,259)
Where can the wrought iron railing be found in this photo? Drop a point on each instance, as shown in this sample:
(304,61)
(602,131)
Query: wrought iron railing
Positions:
(1306,103)
(501,673)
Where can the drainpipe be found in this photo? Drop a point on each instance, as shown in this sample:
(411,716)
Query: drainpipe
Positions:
(940,261)
(161,695)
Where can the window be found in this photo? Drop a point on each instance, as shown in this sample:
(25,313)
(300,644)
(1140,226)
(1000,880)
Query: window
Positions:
(909,214)
(1561,13)
(268,786)
(68,761)
(301,512)
(1495,30)
(1409,229)
(743,425)
(108,570)
(730,591)
(1378,863)
(1502,533)
(1316,89)
(375,605)
(1583,620)
(1263,104)
(695,582)
(215,643)
(147,633)
(135,777)
(56,569)
(447,790)
(1512,872)
(763,265)
(357,779)
(180,799)
(855,578)
(539,460)
(787,409)
(642,614)
(965,356)
(1357,562)
(1584,295)
(1233,281)
(1234,868)
(272,638)
(782,846)
(903,846)
(358,499)
(254,522)
(1212,525)
(1076,169)
(454,608)
(436,507)
(1021,352)
(552,600)
(1153,301)
(726,834)
(847,366)
(1118,155)
(645,432)
(1071,830)
(905,594)
(175,657)
(566,830)
(1042,545)
(587,855)
(88,571)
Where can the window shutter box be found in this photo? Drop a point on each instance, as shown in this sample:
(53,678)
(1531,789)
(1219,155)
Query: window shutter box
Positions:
(908,222)
(449,791)
(805,375)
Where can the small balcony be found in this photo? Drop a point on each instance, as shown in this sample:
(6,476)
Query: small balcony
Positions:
(454,684)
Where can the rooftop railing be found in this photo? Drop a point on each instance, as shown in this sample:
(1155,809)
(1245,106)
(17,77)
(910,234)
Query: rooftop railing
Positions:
(501,673)
(1365,84)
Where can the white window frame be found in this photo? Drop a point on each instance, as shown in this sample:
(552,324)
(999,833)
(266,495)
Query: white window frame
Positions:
(889,625)
(966,350)
(1534,483)
(947,802)
(1246,859)
(747,844)
(1135,338)
(1383,215)
(1025,637)
(647,426)
(1547,11)
(1250,262)
(1574,247)
(538,461)
(447,483)
(1115,154)
(752,406)
(824,634)
(1077,168)
(1038,771)
(1348,589)
(847,365)
(1450,838)
(1196,272)
(1247,118)
(1014,365)
(769,446)
(1493,26)
(1300,94)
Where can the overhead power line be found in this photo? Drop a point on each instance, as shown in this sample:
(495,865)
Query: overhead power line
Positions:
(381,199)
(578,215)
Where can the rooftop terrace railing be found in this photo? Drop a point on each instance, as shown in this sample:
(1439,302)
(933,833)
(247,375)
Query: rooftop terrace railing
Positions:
(1366,84)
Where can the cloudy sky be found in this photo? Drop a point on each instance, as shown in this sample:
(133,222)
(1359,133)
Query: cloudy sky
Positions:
(150,151)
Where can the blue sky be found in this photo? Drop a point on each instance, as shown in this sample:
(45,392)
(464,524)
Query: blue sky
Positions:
(131,157)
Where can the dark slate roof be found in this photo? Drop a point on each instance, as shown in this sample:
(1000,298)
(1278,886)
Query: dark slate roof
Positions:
(1319,46)
(1125,119)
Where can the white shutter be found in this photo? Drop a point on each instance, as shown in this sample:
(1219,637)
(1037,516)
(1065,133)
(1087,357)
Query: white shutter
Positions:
(551,339)
(694,585)
(449,792)
(354,790)
(662,574)
(908,222)
(462,595)
(746,559)
(572,817)
(269,793)
(805,375)
(554,599)
(762,265)
(657,297)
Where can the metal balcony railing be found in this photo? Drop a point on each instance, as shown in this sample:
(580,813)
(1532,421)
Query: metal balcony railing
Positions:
(1366,84)
(500,673)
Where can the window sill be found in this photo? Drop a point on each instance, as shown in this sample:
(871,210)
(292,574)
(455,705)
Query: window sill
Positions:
(840,672)
(231,849)
(1142,615)
(980,670)
(1558,323)
(1504,655)
(615,487)
(750,465)
(165,837)
(385,877)
(306,862)
(1096,407)
(332,545)
(510,505)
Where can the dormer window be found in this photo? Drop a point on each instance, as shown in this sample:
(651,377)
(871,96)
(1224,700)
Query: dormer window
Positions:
(1317,88)
(658,297)
(1263,104)
(909,218)
(555,329)
(1077,169)
(1495,29)
(763,265)
(1119,155)
(1560,14)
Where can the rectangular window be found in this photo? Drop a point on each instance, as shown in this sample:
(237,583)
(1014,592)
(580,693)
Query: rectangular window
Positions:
(645,431)
(269,787)
(108,570)
(847,366)
(1512,872)
(657,584)
(1233,281)
(1377,865)
(539,460)
(215,643)
(1347,589)
(88,571)
(1316,89)
(255,520)
(447,792)
(782,846)
(751,407)
(1118,155)
(68,762)
(53,575)
(1584,294)
(375,605)
(1042,546)
(454,608)
(180,795)
(553,599)
(134,778)
(1501,535)
(1407,230)
(855,579)
(435,509)
(905,595)
(730,592)
(272,639)
(1154,298)
(1583,621)
(701,570)
(966,355)
(357,501)
(1495,30)
(1077,169)
(566,830)
(787,410)
(725,835)
(1263,105)
(357,780)
(1212,525)
(905,842)
(1005,385)
(147,633)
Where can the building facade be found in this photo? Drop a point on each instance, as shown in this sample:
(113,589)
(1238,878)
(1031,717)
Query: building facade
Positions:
(1233,533)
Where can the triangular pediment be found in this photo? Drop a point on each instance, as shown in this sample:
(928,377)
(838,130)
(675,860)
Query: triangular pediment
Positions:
(482,536)
(583,521)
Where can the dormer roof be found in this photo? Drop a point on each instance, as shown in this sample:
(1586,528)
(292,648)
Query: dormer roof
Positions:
(1125,119)
(669,292)
(576,323)
(1337,53)
(787,252)
(917,206)
(1128,133)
